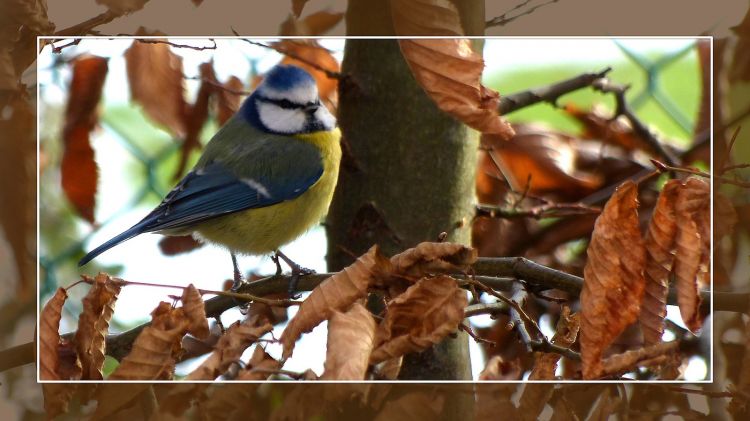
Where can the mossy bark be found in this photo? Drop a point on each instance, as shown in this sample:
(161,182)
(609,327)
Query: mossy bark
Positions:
(408,170)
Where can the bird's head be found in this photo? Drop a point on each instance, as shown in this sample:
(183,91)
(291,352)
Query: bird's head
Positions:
(287,102)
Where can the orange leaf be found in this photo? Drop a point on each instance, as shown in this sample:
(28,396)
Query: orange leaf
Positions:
(156,83)
(426,17)
(173,245)
(93,325)
(659,243)
(350,341)
(196,116)
(450,73)
(49,336)
(195,311)
(613,277)
(260,366)
(78,167)
(229,99)
(433,258)
(335,293)
(154,350)
(422,316)
(565,335)
(499,369)
(541,162)
(230,347)
(312,52)
(615,132)
(297,6)
(313,25)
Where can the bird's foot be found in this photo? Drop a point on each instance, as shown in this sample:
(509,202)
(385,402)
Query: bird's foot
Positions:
(239,281)
(297,273)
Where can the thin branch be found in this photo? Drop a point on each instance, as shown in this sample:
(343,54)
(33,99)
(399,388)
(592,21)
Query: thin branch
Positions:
(550,93)
(84,28)
(328,72)
(504,19)
(192,47)
(628,360)
(666,168)
(728,154)
(605,85)
(17,356)
(550,210)
(462,326)
(485,308)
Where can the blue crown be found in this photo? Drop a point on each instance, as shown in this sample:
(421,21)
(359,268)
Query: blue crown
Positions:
(285,77)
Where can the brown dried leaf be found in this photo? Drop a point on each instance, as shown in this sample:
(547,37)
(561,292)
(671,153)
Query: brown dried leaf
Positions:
(659,243)
(627,361)
(229,99)
(617,132)
(350,341)
(495,399)
(426,17)
(422,316)
(389,369)
(413,406)
(312,52)
(56,397)
(297,6)
(156,82)
(78,167)
(542,162)
(335,293)
(173,245)
(613,277)
(450,73)
(195,311)
(93,325)
(433,258)
(693,245)
(725,216)
(49,335)
(230,347)
(156,347)
(532,401)
(313,25)
(119,399)
(260,366)
(196,116)
(565,335)
(499,369)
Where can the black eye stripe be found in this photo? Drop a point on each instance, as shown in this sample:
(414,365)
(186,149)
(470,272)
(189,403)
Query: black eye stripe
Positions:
(287,104)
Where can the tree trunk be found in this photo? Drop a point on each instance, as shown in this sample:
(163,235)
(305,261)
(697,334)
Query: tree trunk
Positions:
(408,171)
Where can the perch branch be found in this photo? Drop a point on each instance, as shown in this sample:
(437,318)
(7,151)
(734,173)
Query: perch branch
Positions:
(550,93)
(550,210)
(504,19)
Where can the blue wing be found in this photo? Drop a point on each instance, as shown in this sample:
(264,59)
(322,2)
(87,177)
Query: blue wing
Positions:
(213,191)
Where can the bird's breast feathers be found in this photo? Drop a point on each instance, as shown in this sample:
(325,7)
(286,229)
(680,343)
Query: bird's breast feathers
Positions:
(264,230)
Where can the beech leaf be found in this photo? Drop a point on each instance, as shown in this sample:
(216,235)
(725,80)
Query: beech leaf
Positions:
(450,73)
(350,341)
(230,347)
(93,325)
(49,336)
(433,258)
(195,311)
(156,82)
(422,316)
(659,242)
(78,167)
(335,293)
(613,277)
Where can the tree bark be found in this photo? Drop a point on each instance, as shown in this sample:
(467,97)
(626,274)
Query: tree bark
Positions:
(408,171)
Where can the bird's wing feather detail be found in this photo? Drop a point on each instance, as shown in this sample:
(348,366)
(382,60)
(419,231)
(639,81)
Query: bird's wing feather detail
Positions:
(212,190)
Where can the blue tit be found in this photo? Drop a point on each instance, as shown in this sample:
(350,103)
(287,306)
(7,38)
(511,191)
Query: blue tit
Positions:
(266,176)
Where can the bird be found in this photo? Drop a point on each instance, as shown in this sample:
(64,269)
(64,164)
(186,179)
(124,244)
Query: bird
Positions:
(266,177)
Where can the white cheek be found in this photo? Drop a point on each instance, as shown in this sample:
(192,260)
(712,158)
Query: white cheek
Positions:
(325,117)
(279,119)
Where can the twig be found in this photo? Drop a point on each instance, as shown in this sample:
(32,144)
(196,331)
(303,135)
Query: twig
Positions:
(58,49)
(484,308)
(477,338)
(665,168)
(550,93)
(192,47)
(17,356)
(504,19)
(328,72)
(626,361)
(550,210)
(84,28)
(728,154)
(605,85)
(707,393)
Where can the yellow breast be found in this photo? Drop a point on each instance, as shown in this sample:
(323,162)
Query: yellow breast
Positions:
(264,230)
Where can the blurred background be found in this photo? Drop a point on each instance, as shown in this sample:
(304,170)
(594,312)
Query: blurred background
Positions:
(138,162)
